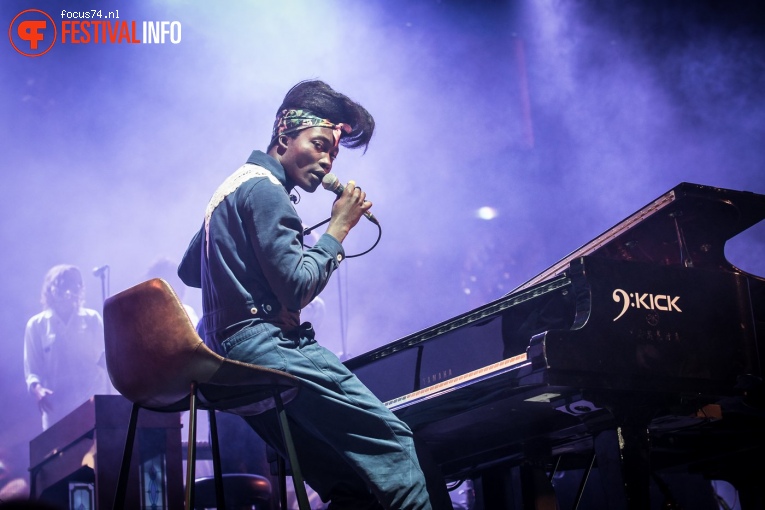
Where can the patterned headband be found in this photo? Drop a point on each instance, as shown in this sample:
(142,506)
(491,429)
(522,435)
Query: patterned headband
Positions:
(292,121)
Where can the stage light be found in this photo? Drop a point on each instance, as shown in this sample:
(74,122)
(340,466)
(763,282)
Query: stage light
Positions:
(486,213)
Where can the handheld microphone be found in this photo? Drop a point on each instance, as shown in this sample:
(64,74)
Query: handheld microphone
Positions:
(100,270)
(331,183)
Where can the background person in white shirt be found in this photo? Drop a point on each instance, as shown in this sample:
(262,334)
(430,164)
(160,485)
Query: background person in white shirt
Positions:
(64,347)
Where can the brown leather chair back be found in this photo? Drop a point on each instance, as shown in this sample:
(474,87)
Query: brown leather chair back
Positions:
(153,352)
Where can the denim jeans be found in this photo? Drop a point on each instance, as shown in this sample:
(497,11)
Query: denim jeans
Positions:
(353,451)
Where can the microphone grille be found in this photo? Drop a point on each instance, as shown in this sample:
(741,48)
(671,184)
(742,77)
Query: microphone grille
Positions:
(329,182)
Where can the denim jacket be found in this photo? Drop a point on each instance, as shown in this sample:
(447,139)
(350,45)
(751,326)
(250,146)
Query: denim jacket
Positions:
(248,257)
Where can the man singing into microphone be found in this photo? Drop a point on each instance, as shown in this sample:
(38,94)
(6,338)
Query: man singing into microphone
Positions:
(255,276)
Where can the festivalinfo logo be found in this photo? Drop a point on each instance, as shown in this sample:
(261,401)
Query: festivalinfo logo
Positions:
(33,32)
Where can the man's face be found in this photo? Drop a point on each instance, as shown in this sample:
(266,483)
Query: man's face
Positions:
(308,157)
(66,292)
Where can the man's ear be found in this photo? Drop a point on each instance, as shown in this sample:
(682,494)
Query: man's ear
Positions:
(281,144)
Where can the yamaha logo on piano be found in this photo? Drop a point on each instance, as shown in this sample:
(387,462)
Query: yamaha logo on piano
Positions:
(436,377)
(661,302)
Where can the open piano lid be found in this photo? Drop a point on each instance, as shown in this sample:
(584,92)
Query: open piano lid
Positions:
(686,226)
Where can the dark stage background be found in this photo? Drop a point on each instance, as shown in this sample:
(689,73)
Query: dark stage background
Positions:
(509,134)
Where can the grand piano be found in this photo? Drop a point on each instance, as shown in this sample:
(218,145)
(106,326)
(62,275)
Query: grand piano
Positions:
(636,357)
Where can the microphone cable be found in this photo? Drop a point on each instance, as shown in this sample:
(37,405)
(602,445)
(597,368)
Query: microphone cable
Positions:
(379,236)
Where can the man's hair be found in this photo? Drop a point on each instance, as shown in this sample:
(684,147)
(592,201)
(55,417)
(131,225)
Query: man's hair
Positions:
(325,102)
(55,276)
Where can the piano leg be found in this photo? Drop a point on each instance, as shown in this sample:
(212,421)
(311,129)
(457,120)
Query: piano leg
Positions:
(623,462)
(497,488)
(524,487)
(538,492)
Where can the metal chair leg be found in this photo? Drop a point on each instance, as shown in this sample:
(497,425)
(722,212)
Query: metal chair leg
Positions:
(122,479)
(297,476)
(217,472)
(191,455)
(281,473)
